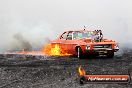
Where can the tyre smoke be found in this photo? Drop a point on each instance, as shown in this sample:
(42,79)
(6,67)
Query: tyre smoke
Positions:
(39,21)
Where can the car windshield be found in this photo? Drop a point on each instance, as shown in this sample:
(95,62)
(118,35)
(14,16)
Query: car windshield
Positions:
(78,34)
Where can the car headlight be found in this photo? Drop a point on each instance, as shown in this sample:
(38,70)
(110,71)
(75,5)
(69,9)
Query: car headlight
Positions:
(116,46)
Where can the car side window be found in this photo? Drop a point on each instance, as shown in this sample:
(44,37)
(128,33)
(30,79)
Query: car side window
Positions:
(69,36)
(64,35)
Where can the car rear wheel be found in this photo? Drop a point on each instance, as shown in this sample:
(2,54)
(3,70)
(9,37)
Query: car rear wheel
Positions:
(110,54)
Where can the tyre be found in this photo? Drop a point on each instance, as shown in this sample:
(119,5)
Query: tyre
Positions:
(110,54)
(79,52)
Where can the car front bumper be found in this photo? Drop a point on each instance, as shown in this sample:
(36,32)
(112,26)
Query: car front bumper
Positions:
(99,51)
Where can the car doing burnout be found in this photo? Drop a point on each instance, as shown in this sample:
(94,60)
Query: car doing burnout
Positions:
(86,42)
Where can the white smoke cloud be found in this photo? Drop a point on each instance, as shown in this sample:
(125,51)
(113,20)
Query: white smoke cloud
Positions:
(37,19)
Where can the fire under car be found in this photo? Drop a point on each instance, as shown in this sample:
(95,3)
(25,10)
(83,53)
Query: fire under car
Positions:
(86,42)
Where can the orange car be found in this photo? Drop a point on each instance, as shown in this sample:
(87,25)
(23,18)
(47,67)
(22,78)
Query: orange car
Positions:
(85,42)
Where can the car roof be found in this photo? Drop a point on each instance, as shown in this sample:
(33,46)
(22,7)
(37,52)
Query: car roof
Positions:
(82,30)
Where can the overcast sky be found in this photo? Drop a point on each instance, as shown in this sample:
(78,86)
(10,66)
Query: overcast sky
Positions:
(37,19)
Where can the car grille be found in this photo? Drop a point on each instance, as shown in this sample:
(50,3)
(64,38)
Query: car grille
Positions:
(102,46)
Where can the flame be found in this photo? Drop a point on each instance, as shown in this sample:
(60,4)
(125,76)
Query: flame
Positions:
(49,49)
(54,50)
(81,71)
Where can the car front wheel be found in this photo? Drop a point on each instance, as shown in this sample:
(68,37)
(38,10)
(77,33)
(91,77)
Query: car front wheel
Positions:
(110,54)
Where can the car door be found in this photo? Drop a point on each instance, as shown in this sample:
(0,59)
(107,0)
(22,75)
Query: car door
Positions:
(63,38)
(69,42)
